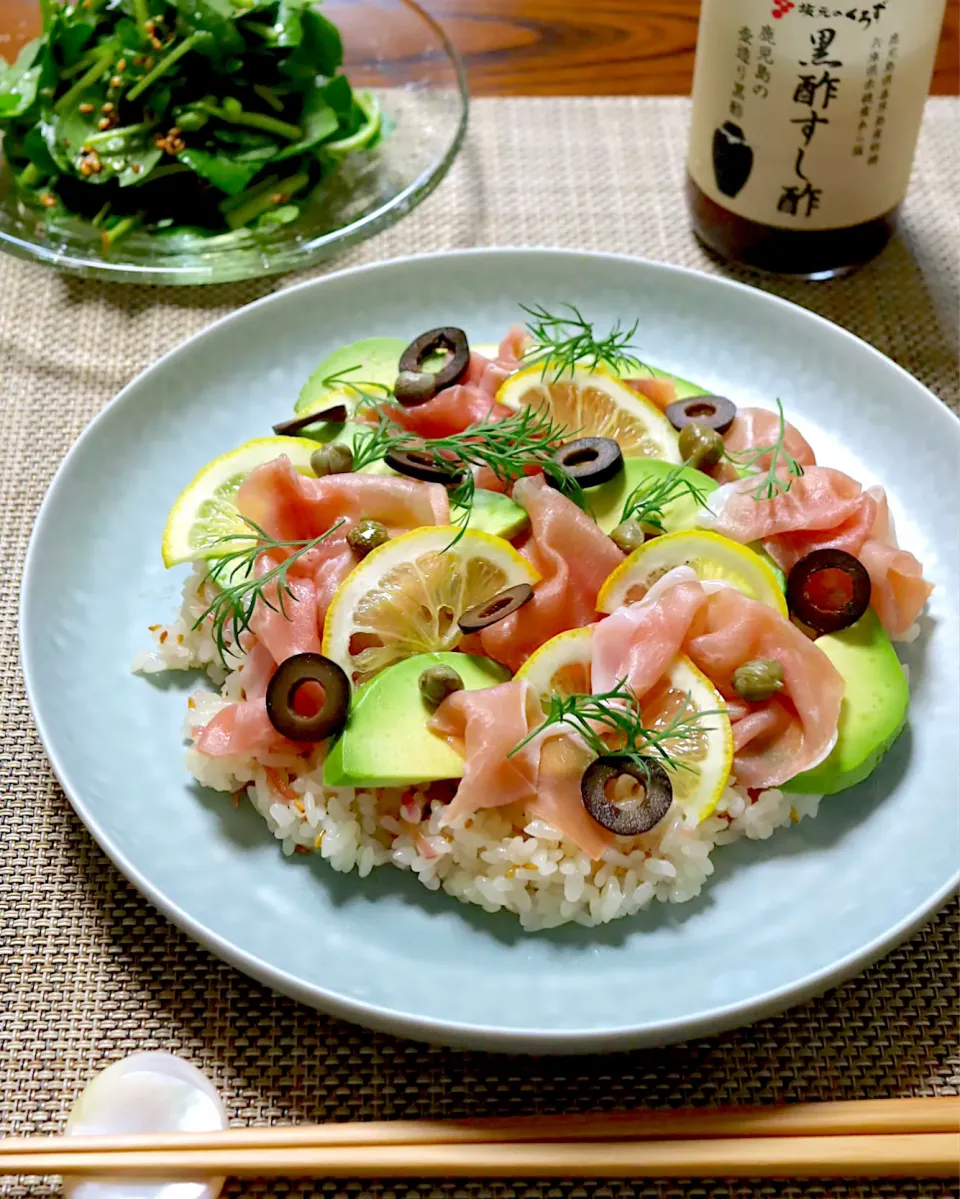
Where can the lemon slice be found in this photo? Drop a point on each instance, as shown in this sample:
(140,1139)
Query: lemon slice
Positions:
(406,597)
(561,666)
(595,403)
(205,511)
(705,749)
(712,557)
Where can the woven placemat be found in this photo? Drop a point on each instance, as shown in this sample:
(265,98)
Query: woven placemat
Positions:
(89,972)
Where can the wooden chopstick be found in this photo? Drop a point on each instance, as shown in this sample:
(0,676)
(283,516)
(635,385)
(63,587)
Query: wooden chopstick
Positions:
(845,1118)
(923,1155)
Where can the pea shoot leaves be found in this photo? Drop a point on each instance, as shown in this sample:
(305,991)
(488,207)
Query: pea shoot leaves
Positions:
(228,98)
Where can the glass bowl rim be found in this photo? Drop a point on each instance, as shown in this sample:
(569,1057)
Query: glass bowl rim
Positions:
(298,255)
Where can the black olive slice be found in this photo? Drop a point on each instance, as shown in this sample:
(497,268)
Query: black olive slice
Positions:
(448,340)
(419,464)
(288,678)
(631,817)
(590,460)
(828,590)
(290,428)
(716,412)
(482,616)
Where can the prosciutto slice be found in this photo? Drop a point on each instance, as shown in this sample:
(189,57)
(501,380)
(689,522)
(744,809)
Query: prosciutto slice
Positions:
(719,631)
(544,777)
(573,557)
(472,399)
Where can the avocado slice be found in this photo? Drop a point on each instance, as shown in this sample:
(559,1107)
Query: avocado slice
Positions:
(605,503)
(376,359)
(494,513)
(874,707)
(685,389)
(386,742)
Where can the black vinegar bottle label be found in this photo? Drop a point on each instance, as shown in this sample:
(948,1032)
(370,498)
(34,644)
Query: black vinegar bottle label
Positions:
(806,116)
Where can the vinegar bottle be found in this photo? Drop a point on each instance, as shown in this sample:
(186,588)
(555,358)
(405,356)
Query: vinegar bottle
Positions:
(805,123)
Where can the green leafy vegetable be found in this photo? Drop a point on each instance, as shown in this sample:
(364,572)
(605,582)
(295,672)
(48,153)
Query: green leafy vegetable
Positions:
(198,118)
(229,173)
(19,82)
(782,469)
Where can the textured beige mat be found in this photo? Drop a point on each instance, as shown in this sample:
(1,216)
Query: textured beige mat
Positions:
(89,972)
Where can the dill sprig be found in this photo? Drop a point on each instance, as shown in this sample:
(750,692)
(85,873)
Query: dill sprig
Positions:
(510,447)
(527,439)
(611,723)
(770,482)
(563,341)
(373,442)
(364,389)
(648,499)
(239,590)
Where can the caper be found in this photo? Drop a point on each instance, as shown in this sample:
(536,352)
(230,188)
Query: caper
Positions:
(700,446)
(415,387)
(628,536)
(437,682)
(333,459)
(366,536)
(758,680)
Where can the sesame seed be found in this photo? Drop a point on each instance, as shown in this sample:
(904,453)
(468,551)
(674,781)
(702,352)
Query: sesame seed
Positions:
(103,123)
(85,108)
(107,108)
(116,81)
(47,200)
(121,66)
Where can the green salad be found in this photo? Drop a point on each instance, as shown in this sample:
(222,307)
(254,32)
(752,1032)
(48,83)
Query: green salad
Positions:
(209,117)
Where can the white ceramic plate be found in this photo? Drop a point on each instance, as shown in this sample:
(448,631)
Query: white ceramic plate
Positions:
(780,920)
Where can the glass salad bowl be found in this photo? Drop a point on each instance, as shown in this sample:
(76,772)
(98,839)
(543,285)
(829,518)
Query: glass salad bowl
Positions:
(394,50)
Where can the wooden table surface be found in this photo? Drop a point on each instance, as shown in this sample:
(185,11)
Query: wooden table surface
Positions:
(565,47)
(603,47)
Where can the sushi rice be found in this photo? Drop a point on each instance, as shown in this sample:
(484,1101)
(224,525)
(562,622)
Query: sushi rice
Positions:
(484,859)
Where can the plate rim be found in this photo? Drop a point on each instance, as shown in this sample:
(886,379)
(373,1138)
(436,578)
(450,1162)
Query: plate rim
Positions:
(382,1017)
